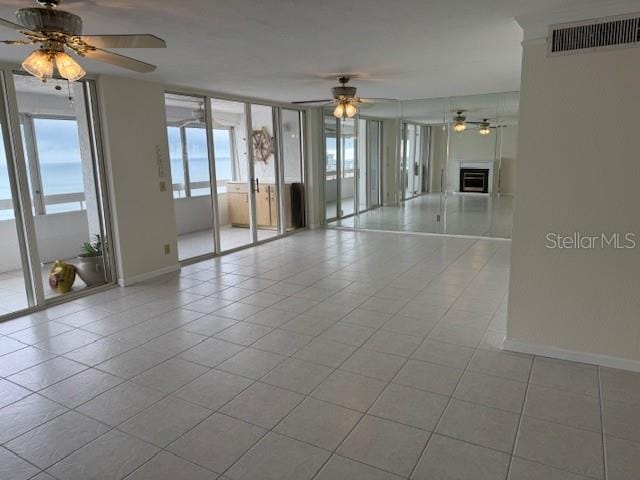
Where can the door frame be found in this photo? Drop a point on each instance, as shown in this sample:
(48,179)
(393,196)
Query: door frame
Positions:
(17,168)
(251,193)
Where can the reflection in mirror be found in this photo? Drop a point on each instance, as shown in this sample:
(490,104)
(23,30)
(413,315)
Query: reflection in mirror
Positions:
(454,168)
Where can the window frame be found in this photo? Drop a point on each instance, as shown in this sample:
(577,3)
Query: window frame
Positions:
(184,152)
(39,197)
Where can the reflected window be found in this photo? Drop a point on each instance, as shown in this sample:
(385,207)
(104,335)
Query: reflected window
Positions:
(223,147)
(175,158)
(197,161)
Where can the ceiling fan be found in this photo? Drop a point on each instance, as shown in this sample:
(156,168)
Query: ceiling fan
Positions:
(197,118)
(460,123)
(57,31)
(344,98)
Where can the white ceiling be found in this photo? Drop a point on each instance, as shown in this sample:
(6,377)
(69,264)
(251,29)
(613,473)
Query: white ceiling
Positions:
(282,49)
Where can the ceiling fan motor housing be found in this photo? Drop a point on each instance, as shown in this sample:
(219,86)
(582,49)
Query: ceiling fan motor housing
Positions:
(344,92)
(49,20)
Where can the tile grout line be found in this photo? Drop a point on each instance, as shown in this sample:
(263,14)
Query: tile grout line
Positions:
(393,377)
(290,356)
(520,420)
(605,466)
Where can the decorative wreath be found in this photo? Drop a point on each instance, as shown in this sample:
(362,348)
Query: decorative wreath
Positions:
(262,145)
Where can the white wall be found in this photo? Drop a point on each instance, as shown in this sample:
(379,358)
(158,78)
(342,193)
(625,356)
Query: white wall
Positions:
(578,171)
(134,130)
(195,214)
(59,237)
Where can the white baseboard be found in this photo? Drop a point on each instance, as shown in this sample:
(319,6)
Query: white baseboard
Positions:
(571,355)
(125,282)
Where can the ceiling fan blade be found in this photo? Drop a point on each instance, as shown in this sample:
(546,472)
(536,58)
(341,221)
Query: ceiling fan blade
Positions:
(18,42)
(9,24)
(16,26)
(309,102)
(378,99)
(327,100)
(124,41)
(119,60)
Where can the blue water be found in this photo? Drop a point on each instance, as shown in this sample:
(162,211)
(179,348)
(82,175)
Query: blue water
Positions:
(56,178)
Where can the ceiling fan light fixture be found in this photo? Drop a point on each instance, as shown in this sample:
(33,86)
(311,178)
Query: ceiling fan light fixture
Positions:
(459,126)
(338,112)
(39,64)
(459,122)
(485,128)
(351,110)
(68,67)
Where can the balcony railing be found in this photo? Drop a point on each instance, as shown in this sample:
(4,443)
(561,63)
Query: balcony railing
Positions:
(6,204)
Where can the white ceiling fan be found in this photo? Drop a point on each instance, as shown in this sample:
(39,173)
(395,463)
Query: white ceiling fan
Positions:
(58,31)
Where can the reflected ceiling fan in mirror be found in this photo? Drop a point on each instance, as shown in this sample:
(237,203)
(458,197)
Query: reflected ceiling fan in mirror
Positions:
(344,99)
(57,31)
(460,123)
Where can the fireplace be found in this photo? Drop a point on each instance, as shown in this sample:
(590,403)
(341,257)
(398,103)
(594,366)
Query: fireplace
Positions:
(474,180)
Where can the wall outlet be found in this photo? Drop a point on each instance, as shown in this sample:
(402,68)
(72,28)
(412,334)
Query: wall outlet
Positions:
(167,248)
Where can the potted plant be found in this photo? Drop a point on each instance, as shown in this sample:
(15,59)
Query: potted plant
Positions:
(90,267)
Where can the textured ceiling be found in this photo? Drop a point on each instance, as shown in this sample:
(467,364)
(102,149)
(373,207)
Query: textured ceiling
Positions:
(290,50)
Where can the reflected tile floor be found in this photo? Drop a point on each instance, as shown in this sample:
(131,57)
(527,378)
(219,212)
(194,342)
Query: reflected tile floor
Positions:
(465,214)
(327,355)
(201,242)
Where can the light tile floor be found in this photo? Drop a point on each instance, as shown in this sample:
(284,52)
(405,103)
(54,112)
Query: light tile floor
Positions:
(201,242)
(478,215)
(328,355)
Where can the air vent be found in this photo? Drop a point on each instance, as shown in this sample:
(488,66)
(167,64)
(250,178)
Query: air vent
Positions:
(593,35)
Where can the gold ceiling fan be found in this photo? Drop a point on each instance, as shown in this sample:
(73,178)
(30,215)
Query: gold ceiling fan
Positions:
(344,99)
(57,31)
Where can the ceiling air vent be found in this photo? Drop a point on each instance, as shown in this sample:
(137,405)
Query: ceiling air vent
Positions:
(594,35)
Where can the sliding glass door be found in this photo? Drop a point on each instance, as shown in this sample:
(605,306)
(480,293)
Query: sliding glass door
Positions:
(415,159)
(191,178)
(292,198)
(14,271)
(53,218)
(234,182)
(331,152)
(265,171)
(348,186)
(352,150)
(241,149)
(374,155)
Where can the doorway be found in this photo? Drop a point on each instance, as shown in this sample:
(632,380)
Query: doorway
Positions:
(252,156)
(53,200)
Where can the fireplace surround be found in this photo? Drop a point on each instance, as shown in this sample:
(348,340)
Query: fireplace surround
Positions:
(474,180)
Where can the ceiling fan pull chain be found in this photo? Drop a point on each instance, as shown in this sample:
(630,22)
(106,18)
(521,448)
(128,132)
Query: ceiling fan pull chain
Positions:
(69,92)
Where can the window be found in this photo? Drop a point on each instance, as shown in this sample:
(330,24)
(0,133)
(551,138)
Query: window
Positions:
(53,156)
(331,153)
(197,161)
(59,163)
(223,147)
(175,159)
(349,154)
(194,159)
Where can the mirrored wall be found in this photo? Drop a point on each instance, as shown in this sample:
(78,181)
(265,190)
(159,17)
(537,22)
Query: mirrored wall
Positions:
(53,220)
(352,166)
(237,172)
(450,167)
